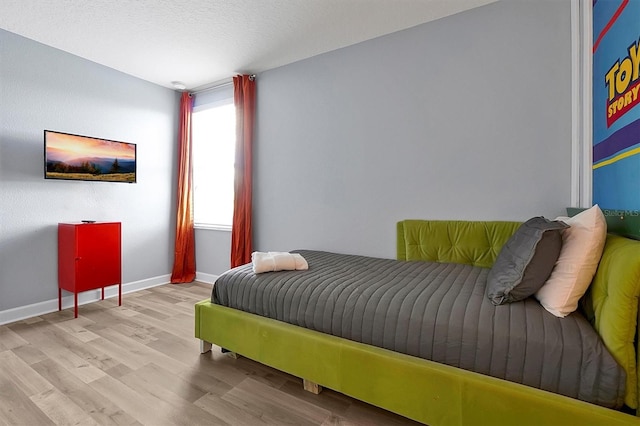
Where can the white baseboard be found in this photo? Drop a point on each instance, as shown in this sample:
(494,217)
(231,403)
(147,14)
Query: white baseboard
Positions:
(206,278)
(41,308)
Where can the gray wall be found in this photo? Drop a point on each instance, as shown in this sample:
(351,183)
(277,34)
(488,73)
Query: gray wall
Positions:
(45,88)
(213,253)
(467,117)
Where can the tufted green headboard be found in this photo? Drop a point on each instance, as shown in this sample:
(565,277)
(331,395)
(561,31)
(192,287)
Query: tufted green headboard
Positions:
(456,241)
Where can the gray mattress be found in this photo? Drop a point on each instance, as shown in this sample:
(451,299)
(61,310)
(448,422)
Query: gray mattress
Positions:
(435,311)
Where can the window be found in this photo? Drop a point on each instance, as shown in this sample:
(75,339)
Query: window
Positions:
(213,143)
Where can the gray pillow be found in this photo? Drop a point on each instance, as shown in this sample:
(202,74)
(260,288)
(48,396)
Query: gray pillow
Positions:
(525,261)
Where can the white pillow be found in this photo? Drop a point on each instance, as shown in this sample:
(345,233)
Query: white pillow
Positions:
(582,245)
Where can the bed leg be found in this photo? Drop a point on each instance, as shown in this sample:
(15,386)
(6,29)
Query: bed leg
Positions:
(229,353)
(312,387)
(204,346)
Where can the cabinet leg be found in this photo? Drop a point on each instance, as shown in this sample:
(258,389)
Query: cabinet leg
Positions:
(59,299)
(102,293)
(75,305)
(120,294)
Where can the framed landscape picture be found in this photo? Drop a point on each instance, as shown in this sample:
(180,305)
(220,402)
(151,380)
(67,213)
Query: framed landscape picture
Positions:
(76,157)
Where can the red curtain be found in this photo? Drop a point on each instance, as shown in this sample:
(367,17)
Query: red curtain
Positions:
(244,95)
(184,262)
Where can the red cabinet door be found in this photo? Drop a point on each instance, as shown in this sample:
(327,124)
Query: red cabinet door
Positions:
(98,256)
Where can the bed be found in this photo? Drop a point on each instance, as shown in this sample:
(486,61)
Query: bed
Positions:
(440,390)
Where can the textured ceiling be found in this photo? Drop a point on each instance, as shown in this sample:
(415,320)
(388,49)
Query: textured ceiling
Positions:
(200,42)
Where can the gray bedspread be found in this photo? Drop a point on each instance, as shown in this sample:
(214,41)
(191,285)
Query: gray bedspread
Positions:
(435,311)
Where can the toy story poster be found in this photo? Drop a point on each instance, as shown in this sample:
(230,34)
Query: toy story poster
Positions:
(616,104)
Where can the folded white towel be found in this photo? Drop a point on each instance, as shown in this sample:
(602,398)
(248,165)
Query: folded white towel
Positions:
(277,261)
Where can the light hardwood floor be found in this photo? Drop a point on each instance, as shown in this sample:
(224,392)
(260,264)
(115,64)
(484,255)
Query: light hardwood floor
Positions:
(140,364)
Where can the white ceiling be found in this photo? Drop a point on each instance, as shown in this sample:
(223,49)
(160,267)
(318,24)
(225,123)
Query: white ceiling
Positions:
(200,42)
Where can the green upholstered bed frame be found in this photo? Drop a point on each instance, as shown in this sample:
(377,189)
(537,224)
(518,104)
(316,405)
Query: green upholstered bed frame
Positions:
(426,391)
